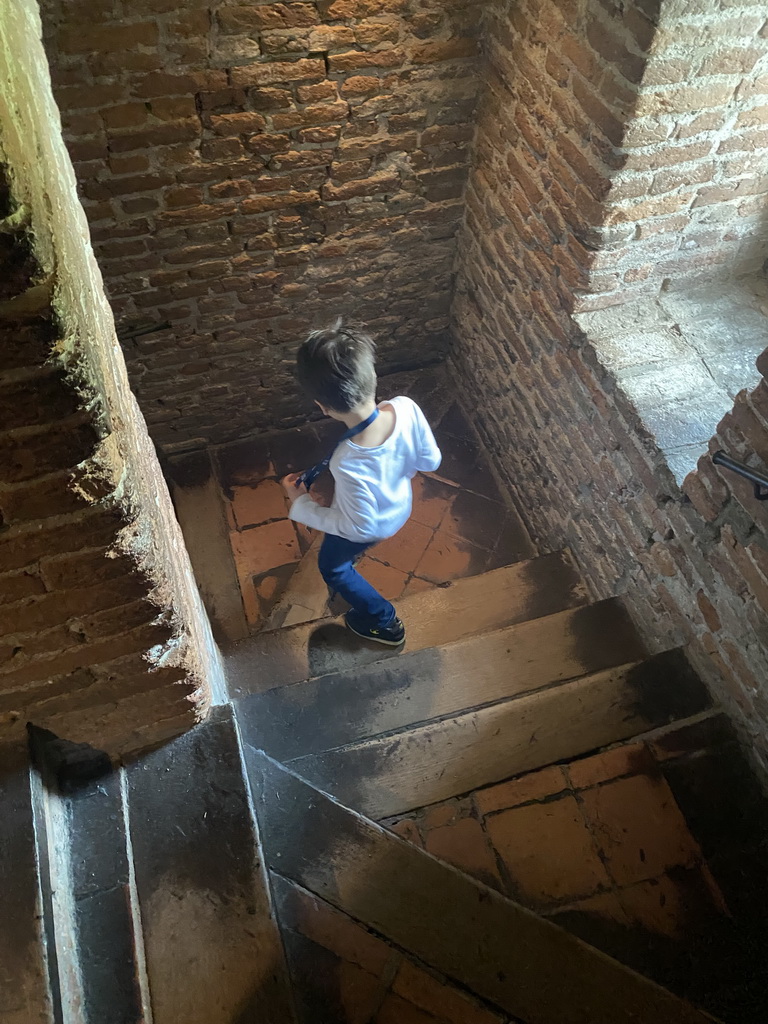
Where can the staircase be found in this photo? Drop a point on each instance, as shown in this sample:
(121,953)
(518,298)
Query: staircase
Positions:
(223,878)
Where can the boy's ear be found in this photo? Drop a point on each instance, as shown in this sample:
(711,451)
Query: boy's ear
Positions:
(322,408)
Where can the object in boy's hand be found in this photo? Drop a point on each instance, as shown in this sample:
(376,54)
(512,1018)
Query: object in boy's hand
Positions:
(293,486)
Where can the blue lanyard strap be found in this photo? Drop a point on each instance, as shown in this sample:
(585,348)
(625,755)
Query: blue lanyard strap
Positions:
(309,476)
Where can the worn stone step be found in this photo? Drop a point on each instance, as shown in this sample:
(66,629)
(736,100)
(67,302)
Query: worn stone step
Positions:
(25,988)
(515,593)
(420,686)
(212,947)
(506,955)
(391,774)
(110,951)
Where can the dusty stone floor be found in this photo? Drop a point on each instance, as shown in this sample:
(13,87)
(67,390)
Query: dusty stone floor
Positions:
(459,525)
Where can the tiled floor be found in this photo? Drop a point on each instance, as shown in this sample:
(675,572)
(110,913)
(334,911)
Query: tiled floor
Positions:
(459,526)
(346,975)
(602,846)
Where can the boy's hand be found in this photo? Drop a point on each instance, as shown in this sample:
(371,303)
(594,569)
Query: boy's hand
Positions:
(319,499)
(292,487)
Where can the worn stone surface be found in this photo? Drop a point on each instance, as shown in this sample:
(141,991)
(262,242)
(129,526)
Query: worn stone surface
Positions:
(683,357)
(213,952)
(251,171)
(104,637)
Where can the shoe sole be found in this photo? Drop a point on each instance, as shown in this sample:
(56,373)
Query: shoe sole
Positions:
(375,639)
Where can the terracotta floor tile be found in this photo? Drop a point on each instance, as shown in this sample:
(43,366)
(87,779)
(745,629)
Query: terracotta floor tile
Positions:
(465,845)
(639,827)
(251,603)
(338,933)
(605,905)
(359,993)
(438,998)
(431,500)
(264,547)
(474,518)
(658,905)
(389,582)
(404,550)
(415,585)
(534,786)
(548,852)
(407,829)
(630,759)
(269,587)
(438,815)
(679,904)
(395,1010)
(451,558)
(255,505)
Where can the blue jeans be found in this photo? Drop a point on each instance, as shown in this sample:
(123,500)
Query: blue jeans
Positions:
(335,562)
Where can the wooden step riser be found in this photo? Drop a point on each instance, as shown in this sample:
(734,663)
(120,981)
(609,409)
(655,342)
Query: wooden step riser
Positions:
(506,955)
(389,775)
(527,590)
(420,686)
(213,950)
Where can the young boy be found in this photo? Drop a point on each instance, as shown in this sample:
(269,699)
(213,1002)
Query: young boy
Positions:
(372,469)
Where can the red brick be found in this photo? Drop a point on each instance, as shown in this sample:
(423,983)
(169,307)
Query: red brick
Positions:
(163,84)
(125,115)
(161,135)
(244,123)
(382,181)
(451,49)
(320,91)
(279,72)
(107,38)
(356,60)
(173,108)
(266,16)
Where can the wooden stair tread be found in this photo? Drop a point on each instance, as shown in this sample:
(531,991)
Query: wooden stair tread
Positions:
(514,593)
(510,957)
(320,714)
(389,775)
(212,947)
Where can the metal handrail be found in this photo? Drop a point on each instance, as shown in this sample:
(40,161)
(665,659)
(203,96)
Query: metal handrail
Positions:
(760,480)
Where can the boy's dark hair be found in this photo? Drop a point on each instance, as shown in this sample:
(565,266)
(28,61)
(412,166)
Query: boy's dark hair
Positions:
(336,367)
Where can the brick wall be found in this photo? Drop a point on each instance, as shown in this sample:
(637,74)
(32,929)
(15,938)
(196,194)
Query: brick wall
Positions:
(104,640)
(554,117)
(250,170)
(691,194)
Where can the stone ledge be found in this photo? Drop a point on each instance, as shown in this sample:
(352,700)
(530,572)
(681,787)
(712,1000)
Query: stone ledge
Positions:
(683,357)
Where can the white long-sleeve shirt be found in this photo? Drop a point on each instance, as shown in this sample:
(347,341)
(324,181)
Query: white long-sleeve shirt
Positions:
(373,496)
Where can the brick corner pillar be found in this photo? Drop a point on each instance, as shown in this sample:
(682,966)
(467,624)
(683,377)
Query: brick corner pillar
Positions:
(104,639)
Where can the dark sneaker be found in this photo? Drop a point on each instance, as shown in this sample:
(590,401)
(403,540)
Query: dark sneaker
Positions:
(392,635)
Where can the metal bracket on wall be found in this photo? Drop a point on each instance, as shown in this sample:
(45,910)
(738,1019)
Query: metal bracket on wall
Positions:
(129,333)
(755,477)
